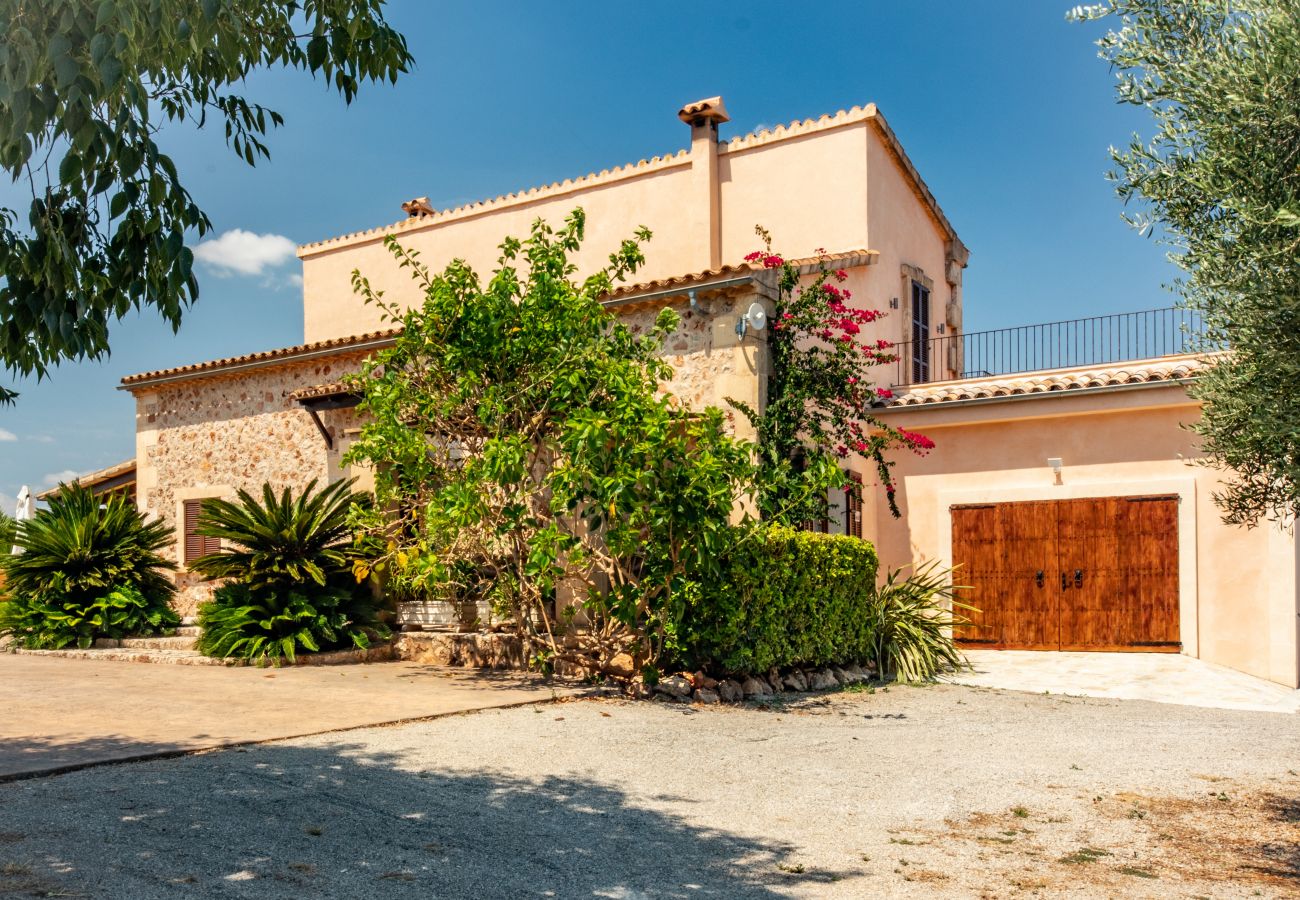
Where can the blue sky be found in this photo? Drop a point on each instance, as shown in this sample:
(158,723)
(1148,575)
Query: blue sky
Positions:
(1003,106)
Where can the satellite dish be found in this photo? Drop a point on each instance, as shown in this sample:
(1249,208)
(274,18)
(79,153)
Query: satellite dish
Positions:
(755,317)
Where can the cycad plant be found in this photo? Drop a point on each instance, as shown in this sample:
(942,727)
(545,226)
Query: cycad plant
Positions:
(287,566)
(89,568)
(912,620)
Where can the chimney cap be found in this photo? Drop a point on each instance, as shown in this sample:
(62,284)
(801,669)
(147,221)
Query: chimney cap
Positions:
(418,208)
(710,108)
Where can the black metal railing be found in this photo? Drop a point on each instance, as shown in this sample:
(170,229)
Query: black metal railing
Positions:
(1099,340)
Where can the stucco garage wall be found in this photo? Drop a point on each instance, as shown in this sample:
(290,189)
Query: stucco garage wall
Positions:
(207,437)
(1243,596)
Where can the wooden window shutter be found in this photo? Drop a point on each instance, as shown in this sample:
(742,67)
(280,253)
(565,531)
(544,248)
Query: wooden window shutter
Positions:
(195,544)
(853,507)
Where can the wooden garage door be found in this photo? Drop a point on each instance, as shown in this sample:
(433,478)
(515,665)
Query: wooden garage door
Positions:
(1093,574)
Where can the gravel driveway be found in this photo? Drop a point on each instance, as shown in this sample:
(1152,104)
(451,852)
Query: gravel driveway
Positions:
(940,791)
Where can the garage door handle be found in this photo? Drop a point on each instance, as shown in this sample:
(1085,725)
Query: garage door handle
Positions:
(1039,578)
(1078,578)
(1065,581)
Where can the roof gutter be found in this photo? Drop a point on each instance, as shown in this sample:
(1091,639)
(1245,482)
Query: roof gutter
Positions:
(373,344)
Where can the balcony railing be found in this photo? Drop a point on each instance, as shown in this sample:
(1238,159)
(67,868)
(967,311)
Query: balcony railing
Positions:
(1095,341)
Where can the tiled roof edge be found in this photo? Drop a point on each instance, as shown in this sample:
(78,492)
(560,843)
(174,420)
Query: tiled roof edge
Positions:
(263,358)
(479,207)
(1132,373)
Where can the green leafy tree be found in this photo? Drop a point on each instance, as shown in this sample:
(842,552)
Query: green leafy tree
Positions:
(1220,182)
(287,567)
(524,453)
(90,567)
(86,86)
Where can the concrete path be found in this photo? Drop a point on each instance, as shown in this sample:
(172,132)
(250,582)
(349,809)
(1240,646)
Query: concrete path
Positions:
(1159,677)
(57,714)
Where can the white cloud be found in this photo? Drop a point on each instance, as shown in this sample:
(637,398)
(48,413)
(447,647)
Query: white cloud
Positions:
(7,435)
(54,479)
(240,252)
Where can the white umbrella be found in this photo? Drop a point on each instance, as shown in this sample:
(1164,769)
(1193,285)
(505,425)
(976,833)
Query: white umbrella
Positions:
(26,507)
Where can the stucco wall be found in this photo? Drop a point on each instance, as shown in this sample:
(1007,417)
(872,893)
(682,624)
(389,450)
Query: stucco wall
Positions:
(828,185)
(809,191)
(654,198)
(208,437)
(1242,595)
(906,234)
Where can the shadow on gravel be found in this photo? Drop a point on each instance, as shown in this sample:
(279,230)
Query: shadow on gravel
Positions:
(335,821)
(25,757)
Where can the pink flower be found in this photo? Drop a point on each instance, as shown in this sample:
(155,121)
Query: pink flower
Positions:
(884,393)
(754,257)
(915,440)
(841,274)
(853,381)
(772,261)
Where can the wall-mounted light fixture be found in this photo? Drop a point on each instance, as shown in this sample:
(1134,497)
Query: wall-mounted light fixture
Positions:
(1055,463)
(755,317)
(940,328)
(893,303)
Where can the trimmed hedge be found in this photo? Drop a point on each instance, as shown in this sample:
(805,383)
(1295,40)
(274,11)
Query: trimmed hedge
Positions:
(787,598)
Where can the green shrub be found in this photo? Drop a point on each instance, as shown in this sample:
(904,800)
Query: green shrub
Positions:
(271,625)
(40,624)
(911,622)
(787,598)
(90,568)
(288,565)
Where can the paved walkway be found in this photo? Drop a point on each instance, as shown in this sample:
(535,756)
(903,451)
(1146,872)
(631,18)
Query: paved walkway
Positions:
(63,713)
(1160,677)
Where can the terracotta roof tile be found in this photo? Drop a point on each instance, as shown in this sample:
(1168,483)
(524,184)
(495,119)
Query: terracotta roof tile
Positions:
(317,391)
(90,479)
(1168,369)
(286,354)
(846,260)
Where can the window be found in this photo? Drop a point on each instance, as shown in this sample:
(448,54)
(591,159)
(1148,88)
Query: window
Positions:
(844,510)
(195,545)
(920,333)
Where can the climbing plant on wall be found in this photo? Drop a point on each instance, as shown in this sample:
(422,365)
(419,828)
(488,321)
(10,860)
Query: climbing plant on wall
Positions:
(820,392)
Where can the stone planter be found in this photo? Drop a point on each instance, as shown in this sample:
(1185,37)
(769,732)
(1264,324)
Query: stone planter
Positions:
(442,615)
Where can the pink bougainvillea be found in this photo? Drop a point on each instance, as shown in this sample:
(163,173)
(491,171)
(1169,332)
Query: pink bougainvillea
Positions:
(820,393)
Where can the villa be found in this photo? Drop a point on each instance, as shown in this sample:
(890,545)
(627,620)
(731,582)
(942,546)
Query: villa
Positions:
(1064,480)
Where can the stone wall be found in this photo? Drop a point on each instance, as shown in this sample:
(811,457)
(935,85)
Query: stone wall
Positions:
(208,437)
(710,362)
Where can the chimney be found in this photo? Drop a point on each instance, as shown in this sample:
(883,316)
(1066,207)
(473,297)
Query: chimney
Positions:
(704,117)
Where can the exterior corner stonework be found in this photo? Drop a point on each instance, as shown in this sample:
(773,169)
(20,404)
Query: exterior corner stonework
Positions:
(210,436)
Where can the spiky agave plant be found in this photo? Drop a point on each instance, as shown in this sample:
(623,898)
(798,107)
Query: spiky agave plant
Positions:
(287,564)
(912,620)
(89,568)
